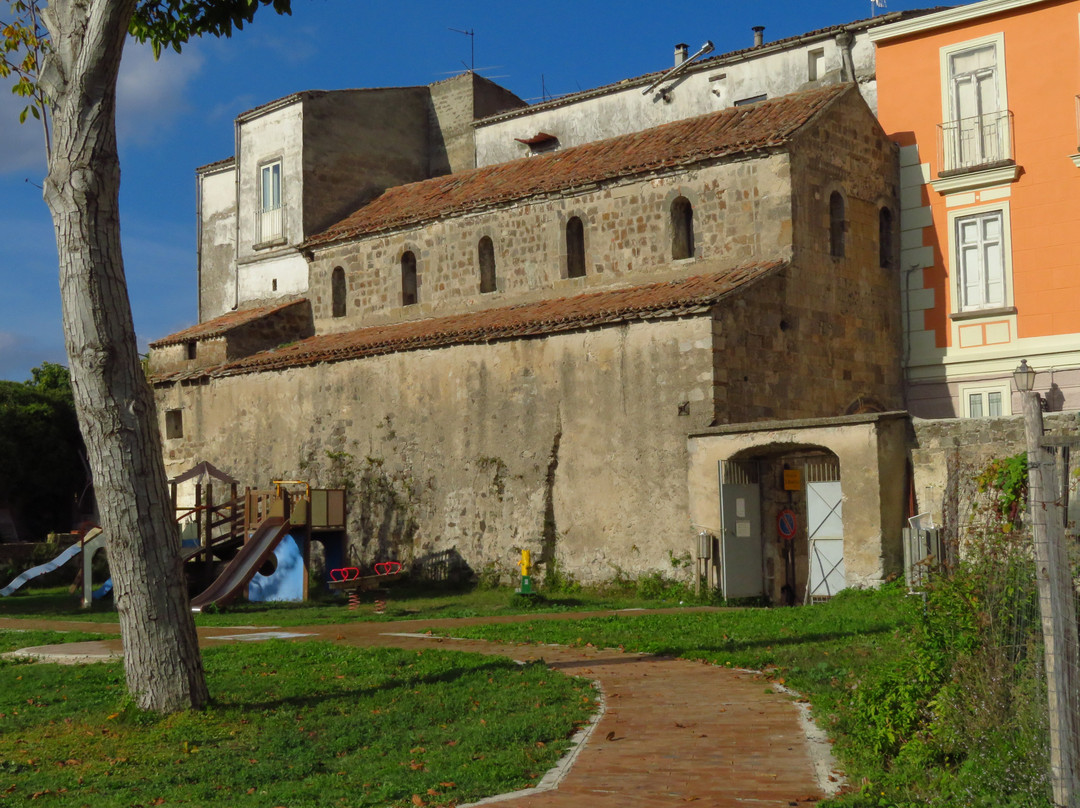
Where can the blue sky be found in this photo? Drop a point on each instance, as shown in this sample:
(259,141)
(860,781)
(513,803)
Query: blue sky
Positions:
(176,114)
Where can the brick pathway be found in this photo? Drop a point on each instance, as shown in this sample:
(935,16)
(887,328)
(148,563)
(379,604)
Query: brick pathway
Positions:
(673,732)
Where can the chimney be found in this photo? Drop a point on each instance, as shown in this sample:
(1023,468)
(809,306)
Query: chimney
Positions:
(759,35)
(682,50)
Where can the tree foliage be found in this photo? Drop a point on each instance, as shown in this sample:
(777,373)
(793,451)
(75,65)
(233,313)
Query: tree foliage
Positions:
(40,451)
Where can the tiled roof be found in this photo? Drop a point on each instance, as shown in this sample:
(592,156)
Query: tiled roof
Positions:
(657,300)
(220,326)
(737,130)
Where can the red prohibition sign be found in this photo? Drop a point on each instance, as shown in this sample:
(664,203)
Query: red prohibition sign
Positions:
(786,524)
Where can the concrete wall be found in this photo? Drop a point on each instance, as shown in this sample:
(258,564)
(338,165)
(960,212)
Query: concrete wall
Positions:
(357,143)
(741,213)
(572,445)
(708,86)
(455,104)
(217,240)
(871,452)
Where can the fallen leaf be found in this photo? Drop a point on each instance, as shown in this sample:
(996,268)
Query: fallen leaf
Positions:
(417,800)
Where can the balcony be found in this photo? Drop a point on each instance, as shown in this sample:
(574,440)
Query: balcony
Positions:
(269,226)
(975,144)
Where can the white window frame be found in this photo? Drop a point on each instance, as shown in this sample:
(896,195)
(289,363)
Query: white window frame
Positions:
(946,54)
(955,271)
(949,115)
(270,221)
(984,391)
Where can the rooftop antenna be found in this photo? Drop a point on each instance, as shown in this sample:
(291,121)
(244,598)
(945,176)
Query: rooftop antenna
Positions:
(471,34)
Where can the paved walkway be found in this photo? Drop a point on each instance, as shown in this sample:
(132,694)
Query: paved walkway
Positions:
(672,731)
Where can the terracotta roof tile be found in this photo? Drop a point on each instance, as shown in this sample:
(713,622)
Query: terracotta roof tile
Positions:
(541,318)
(737,130)
(220,326)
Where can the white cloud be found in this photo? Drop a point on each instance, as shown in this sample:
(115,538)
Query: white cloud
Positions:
(152,94)
(24,144)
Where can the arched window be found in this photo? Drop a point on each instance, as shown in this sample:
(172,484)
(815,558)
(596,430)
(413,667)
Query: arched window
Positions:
(337,292)
(408,279)
(885,238)
(486,253)
(575,248)
(682,229)
(836,225)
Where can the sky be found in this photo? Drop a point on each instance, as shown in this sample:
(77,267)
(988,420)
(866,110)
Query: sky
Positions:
(176,114)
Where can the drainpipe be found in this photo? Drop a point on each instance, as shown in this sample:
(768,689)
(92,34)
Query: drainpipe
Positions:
(198,248)
(679,68)
(844,41)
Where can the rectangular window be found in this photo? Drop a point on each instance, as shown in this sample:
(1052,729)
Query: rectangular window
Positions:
(976,128)
(269,222)
(980,261)
(815,64)
(174,424)
(985,402)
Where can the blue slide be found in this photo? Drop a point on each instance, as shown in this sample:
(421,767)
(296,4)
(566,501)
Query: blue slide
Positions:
(42,569)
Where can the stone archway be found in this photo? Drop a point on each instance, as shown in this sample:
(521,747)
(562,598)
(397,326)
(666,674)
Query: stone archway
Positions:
(840,480)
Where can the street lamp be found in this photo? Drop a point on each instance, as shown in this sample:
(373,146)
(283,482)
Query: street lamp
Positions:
(1024,377)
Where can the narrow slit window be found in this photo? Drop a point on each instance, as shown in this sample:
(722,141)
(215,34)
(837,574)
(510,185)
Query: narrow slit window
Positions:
(575,248)
(408,279)
(337,292)
(885,238)
(836,225)
(174,424)
(682,229)
(486,255)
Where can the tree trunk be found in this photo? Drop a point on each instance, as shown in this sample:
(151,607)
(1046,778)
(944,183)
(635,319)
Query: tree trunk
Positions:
(114,402)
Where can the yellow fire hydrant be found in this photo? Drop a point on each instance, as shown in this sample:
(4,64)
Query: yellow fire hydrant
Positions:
(524,565)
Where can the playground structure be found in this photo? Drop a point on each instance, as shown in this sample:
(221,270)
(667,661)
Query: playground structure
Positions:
(88,544)
(251,542)
(263,537)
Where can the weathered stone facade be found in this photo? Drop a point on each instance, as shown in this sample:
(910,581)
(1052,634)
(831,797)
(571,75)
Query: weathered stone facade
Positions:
(571,440)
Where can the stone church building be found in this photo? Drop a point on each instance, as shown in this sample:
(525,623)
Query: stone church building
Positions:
(597,352)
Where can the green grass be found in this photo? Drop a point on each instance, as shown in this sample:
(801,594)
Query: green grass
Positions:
(14,640)
(404,602)
(821,651)
(300,724)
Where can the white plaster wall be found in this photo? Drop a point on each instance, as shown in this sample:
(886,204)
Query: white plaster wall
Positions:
(263,137)
(257,279)
(709,86)
(217,241)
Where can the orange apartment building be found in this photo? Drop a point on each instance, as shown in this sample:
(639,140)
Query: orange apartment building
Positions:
(983,100)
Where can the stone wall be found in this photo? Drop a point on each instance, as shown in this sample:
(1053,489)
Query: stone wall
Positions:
(741,214)
(573,446)
(943,451)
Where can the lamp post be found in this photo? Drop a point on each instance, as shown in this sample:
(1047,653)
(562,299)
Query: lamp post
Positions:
(1024,377)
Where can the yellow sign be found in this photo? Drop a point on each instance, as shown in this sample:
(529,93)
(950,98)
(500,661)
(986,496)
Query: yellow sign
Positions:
(792,479)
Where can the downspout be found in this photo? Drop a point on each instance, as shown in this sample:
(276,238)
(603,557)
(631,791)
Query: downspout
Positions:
(844,41)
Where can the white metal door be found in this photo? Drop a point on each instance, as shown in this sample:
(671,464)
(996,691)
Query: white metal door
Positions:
(740,539)
(825,530)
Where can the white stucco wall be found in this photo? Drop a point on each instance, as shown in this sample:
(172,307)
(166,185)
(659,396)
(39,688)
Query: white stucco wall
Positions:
(708,86)
(217,240)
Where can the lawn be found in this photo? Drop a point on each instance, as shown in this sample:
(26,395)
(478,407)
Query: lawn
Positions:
(407,601)
(297,724)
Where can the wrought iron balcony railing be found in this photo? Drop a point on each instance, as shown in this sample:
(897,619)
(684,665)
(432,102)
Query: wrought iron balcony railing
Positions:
(972,143)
